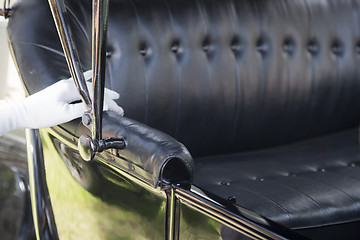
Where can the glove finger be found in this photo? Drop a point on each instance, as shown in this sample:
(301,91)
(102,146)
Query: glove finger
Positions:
(88,75)
(67,91)
(114,107)
(111,94)
(105,106)
(74,111)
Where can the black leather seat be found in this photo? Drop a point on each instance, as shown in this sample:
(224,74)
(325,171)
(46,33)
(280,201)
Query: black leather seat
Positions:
(296,185)
(264,94)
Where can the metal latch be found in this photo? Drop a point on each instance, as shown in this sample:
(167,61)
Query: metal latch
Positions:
(89,146)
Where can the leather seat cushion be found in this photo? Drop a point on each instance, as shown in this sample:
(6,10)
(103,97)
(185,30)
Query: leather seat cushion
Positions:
(304,185)
(253,73)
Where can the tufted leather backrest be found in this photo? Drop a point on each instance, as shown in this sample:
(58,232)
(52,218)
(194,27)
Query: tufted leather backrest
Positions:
(219,75)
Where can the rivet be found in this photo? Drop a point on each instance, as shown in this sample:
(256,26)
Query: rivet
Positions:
(352,165)
(86,118)
(225,183)
(108,54)
(322,170)
(232,199)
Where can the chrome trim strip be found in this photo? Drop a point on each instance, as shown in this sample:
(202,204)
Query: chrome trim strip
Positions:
(105,157)
(100,9)
(244,221)
(172,218)
(58,10)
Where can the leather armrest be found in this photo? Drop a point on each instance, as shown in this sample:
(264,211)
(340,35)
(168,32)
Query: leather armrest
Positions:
(158,156)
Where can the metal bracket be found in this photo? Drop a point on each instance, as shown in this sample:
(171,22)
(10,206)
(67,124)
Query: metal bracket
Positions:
(92,119)
(88,146)
(6,11)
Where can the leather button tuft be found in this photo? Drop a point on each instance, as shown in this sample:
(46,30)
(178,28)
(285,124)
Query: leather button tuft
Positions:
(206,48)
(143,49)
(357,48)
(313,47)
(206,45)
(175,47)
(236,48)
(108,54)
(143,52)
(224,183)
(288,46)
(337,48)
(236,45)
(261,46)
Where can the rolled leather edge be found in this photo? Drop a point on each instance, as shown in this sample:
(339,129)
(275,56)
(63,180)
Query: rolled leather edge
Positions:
(147,148)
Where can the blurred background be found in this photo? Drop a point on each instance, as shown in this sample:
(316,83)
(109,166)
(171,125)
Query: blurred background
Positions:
(10,85)
(9,80)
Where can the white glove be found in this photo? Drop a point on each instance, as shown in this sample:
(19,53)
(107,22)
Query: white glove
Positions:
(50,106)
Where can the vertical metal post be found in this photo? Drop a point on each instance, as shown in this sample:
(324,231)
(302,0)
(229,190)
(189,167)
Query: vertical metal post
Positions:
(99,30)
(43,217)
(172,218)
(58,10)
(88,146)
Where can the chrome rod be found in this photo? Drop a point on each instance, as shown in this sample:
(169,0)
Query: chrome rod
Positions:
(99,30)
(58,10)
(42,212)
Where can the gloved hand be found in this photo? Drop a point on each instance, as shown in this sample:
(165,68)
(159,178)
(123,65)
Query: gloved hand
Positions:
(50,106)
